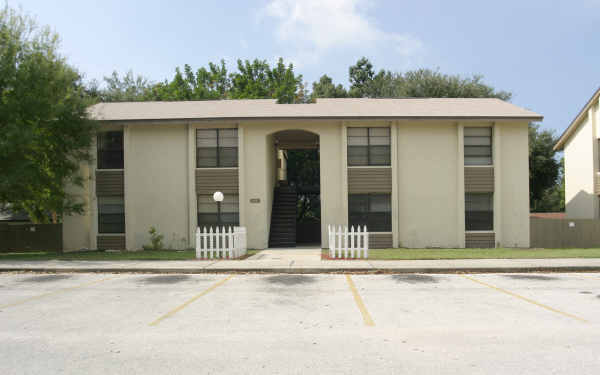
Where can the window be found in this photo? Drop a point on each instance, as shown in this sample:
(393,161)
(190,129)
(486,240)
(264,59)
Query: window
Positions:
(216,148)
(368,146)
(111,214)
(478,146)
(110,150)
(211,215)
(372,210)
(479,211)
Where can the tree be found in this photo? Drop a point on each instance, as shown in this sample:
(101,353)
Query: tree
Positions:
(304,175)
(253,80)
(553,198)
(325,88)
(43,121)
(361,75)
(256,80)
(421,83)
(283,83)
(544,169)
(126,89)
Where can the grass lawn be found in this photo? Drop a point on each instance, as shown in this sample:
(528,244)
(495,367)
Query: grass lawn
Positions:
(408,254)
(103,255)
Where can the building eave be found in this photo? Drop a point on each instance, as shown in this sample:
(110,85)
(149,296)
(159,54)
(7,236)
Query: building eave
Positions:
(564,137)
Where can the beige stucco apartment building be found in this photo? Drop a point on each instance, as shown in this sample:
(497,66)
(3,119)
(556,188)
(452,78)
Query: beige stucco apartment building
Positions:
(418,172)
(582,168)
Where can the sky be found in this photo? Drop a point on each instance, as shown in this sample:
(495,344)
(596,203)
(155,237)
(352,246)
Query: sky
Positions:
(547,53)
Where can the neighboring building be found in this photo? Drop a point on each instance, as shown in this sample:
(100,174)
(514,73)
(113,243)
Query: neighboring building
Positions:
(582,178)
(418,172)
(8,215)
(548,215)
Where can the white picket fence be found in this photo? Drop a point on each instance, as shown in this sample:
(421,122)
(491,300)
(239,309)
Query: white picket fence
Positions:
(344,243)
(220,243)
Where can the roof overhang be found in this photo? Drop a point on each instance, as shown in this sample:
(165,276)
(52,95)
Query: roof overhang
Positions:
(340,118)
(457,109)
(560,144)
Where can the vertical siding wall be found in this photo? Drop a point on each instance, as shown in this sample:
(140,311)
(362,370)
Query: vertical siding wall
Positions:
(565,233)
(369,180)
(31,237)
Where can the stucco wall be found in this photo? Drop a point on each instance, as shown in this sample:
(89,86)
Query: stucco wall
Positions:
(259,179)
(513,177)
(159,171)
(427,184)
(76,228)
(156,184)
(579,173)
(271,178)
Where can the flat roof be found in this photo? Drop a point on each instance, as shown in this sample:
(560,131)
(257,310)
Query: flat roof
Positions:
(347,108)
(564,137)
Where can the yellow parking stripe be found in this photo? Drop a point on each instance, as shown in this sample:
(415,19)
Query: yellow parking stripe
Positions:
(56,292)
(359,302)
(185,304)
(526,299)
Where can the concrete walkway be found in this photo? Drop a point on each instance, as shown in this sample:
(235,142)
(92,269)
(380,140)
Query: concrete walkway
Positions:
(307,261)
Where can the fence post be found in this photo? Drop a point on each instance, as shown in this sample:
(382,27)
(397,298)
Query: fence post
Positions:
(211,247)
(197,243)
(204,252)
(358,240)
(352,242)
(339,237)
(230,248)
(346,242)
(244,240)
(329,240)
(332,246)
(366,243)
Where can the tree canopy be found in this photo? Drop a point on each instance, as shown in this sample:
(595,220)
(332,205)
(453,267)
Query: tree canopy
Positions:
(325,88)
(420,83)
(546,180)
(43,122)
(253,80)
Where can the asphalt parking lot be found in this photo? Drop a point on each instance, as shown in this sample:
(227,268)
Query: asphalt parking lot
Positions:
(298,324)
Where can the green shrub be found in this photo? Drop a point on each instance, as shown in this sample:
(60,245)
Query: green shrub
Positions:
(156,240)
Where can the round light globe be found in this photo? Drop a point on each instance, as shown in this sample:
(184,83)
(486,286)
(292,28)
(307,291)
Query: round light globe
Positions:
(218,196)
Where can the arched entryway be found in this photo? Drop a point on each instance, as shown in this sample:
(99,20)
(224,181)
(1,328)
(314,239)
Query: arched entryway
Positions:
(296,211)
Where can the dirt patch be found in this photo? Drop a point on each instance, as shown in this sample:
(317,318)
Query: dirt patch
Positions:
(167,279)
(412,278)
(531,277)
(290,280)
(46,278)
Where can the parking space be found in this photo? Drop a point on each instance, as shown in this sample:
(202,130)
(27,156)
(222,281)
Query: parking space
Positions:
(283,323)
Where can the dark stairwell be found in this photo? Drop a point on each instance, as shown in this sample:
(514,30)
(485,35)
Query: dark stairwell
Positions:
(283,217)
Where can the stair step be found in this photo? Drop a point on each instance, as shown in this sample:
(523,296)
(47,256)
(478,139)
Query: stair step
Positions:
(283,217)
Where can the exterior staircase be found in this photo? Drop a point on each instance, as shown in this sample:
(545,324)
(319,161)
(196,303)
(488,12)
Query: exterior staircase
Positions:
(283,217)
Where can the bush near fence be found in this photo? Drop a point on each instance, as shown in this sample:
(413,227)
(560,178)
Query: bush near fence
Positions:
(30,237)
